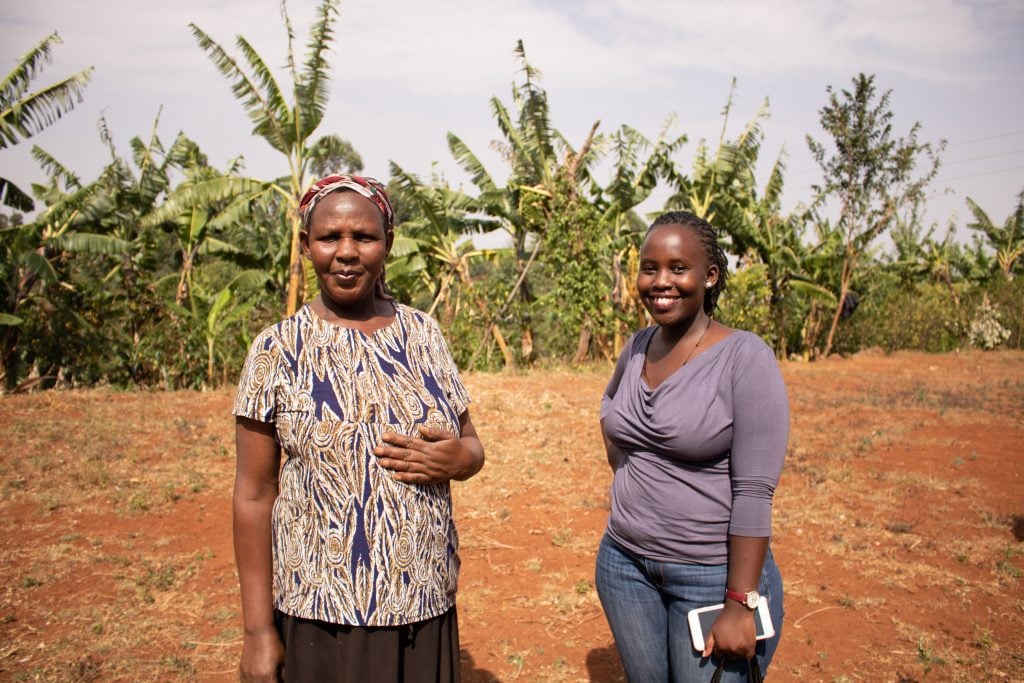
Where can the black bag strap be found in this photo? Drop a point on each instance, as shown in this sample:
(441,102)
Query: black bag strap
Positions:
(753,672)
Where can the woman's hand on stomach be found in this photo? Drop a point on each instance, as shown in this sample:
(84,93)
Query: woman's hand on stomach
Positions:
(436,456)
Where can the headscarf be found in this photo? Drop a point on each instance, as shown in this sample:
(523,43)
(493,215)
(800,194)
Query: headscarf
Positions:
(368,187)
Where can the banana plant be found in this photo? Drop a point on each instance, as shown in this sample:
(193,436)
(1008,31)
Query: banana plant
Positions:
(287,127)
(530,146)
(639,164)
(440,233)
(1007,241)
(921,257)
(723,189)
(202,210)
(213,316)
(118,256)
(24,113)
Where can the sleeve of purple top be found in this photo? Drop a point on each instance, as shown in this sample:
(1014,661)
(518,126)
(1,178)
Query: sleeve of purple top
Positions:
(760,437)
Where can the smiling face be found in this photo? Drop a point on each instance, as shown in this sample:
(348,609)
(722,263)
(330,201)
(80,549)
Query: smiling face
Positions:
(674,274)
(347,243)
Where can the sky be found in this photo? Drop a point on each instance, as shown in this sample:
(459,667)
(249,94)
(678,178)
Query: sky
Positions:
(406,72)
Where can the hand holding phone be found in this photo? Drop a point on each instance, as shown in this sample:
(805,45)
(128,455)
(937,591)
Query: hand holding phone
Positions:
(702,618)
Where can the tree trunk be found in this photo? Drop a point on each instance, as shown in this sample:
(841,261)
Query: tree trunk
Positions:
(209,361)
(295,275)
(844,288)
(9,335)
(184,282)
(779,317)
(526,346)
(583,342)
(811,328)
(442,293)
(510,360)
(835,323)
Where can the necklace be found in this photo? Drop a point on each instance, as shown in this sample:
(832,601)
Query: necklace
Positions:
(643,371)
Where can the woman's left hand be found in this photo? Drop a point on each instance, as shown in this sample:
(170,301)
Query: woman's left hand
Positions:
(435,457)
(732,635)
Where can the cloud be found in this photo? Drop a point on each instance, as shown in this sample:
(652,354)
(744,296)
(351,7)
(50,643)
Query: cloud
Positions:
(928,39)
(458,47)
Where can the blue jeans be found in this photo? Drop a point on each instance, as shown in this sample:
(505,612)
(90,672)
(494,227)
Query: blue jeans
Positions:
(647,602)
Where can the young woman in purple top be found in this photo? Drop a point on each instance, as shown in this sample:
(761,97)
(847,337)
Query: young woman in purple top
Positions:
(695,421)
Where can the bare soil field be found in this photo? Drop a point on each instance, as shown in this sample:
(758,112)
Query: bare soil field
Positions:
(898,527)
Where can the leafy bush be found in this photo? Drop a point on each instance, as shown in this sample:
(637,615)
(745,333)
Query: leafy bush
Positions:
(1007,300)
(745,303)
(985,331)
(921,316)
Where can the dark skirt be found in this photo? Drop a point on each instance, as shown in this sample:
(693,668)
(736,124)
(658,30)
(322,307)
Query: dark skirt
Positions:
(424,652)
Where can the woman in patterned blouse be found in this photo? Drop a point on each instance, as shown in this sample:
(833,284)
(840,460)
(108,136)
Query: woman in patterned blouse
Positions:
(347,553)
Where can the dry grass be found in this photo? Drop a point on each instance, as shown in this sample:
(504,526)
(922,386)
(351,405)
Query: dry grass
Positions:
(898,525)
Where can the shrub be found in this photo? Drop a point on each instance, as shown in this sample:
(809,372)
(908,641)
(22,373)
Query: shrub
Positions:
(895,316)
(745,303)
(985,331)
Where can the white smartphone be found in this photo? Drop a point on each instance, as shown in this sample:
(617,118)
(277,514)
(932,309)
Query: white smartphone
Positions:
(702,618)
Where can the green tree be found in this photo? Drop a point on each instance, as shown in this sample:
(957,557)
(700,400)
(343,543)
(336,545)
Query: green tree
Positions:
(36,271)
(868,172)
(287,127)
(331,154)
(24,113)
(577,254)
(528,146)
(723,188)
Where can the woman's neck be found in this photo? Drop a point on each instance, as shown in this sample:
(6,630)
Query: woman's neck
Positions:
(694,327)
(373,315)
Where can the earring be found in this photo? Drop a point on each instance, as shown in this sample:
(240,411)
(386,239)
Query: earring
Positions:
(707,285)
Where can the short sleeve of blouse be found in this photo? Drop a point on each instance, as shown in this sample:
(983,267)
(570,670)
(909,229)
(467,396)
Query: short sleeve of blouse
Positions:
(257,398)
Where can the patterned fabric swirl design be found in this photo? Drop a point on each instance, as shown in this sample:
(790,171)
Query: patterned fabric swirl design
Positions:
(352,545)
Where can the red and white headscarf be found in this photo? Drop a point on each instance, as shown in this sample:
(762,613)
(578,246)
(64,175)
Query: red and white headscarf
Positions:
(368,187)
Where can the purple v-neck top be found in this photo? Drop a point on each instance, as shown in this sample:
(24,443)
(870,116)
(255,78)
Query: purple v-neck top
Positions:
(703,451)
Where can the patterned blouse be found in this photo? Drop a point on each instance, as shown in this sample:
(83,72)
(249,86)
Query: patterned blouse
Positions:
(351,545)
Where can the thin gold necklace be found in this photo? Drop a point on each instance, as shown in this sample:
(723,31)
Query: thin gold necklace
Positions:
(643,371)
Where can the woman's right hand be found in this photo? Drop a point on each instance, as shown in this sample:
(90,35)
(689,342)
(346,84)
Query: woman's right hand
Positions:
(262,658)
(732,634)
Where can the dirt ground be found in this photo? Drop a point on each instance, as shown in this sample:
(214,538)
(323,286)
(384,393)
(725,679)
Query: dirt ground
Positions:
(898,527)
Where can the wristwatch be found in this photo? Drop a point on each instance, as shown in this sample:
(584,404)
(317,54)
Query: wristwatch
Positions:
(750,599)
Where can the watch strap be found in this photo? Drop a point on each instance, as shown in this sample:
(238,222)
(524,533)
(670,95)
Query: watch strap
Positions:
(741,598)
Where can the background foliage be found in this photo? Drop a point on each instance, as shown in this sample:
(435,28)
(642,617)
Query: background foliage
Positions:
(159,271)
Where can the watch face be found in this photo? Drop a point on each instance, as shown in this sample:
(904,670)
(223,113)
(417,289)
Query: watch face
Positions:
(752,600)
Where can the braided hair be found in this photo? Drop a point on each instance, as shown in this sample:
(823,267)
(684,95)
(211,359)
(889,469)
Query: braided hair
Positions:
(708,237)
